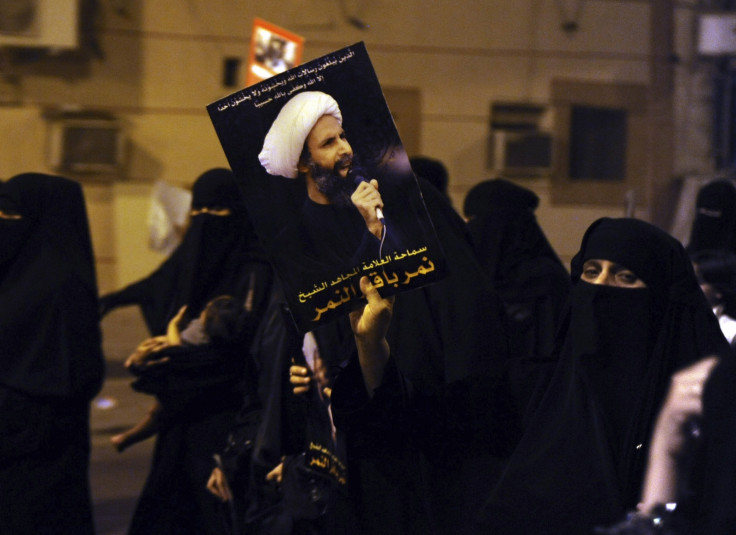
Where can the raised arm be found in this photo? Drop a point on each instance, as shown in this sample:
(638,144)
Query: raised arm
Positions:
(370,325)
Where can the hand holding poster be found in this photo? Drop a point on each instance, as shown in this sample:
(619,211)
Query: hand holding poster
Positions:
(328,185)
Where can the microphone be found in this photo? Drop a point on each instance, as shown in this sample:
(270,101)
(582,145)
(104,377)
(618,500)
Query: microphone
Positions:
(357,174)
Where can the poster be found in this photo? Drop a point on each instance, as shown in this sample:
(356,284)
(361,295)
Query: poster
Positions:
(306,204)
(273,50)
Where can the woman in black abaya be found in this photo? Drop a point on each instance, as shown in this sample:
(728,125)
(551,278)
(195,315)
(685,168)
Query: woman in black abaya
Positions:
(210,261)
(636,315)
(580,462)
(714,226)
(520,263)
(51,362)
(198,390)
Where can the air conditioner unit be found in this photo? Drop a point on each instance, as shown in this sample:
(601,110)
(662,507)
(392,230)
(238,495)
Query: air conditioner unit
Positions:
(524,153)
(86,143)
(39,23)
(717,34)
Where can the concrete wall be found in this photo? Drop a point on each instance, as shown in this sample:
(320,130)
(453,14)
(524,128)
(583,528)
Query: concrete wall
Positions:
(162,63)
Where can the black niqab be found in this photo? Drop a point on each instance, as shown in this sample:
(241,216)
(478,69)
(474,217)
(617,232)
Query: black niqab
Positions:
(714,226)
(14,228)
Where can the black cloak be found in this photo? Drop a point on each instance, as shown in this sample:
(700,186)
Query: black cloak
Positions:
(520,263)
(209,262)
(201,388)
(580,463)
(453,328)
(50,341)
(51,362)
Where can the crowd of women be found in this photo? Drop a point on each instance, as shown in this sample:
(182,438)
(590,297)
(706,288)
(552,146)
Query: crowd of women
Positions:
(513,397)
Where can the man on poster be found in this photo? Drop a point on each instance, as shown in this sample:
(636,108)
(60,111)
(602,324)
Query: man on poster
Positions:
(341,223)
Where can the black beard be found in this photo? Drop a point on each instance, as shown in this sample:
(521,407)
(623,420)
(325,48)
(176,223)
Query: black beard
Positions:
(333,186)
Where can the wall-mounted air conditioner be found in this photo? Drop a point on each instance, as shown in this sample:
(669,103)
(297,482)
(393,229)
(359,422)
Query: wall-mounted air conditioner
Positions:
(519,154)
(39,24)
(85,142)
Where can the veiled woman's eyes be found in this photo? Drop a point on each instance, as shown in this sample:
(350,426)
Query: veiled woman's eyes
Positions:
(212,210)
(591,270)
(609,273)
(627,277)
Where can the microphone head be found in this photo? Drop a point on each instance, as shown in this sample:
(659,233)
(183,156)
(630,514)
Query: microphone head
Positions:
(357,174)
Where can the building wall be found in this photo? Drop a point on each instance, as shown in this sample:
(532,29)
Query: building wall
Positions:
(161,63)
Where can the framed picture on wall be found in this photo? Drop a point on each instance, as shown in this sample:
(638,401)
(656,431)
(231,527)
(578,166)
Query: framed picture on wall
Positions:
(273,50)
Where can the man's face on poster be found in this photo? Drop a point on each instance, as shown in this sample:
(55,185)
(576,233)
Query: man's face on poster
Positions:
(330,158)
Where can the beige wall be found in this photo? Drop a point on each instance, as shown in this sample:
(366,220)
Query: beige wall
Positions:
(163,60)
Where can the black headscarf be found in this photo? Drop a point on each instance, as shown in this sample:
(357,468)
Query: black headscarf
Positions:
(50,341)
(217,256)
(485,197)
(714,226)
(520,263)
(431,170)
(581,460)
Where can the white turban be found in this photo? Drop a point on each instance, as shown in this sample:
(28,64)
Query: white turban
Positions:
(285,140)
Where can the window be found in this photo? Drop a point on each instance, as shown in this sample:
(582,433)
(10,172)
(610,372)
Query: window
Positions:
(597,143)
(601,142)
